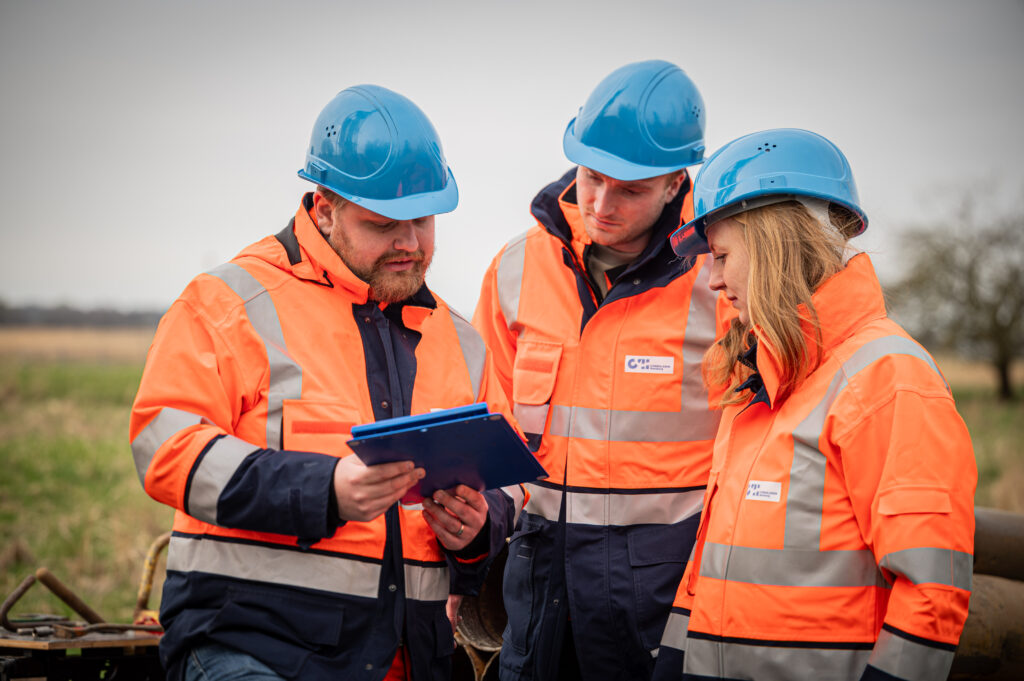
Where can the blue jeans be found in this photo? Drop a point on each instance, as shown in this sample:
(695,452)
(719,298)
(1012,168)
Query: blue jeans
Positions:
(215,662)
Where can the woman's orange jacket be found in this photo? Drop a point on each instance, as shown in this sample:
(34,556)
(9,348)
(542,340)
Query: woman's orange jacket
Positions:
(838,527)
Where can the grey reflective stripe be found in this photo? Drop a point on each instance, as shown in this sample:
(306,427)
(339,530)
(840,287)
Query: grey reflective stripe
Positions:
(675,631)
(790,567)
(213,474)
(531,417)
(619,425)
(700,335)
(426,583)
(509,276)
(807,475)
(163,427)
(616,509)
(474,351)
(932,566)
(719,659)
(285,380)
(303,569)
(909,660)
(517,494)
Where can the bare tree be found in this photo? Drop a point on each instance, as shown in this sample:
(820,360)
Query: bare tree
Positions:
(963,288)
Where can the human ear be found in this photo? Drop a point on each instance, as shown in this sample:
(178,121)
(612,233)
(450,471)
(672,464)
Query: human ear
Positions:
(324,213)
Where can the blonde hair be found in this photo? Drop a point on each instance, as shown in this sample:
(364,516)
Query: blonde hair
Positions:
(790,255)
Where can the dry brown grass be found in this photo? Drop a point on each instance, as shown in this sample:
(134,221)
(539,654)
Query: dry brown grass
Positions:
(76,343)
(965,374)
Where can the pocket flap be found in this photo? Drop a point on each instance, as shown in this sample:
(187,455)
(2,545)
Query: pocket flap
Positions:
(322,427)
(661,543)
(534,371)
(914,499)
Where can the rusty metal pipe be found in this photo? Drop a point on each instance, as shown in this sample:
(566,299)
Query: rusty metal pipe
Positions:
(47,579)
(999,543)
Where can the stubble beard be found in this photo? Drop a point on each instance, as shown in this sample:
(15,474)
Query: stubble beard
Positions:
(386,287)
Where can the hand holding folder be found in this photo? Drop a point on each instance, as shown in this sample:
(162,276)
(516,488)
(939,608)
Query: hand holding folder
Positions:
(466,445)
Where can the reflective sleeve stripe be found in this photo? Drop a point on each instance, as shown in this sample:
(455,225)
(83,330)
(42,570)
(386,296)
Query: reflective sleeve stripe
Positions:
(619,425)
(788,567)
(807,475)
(675,630)
(212,474)
(474,351)
(614,508)
(774,661)
(285,373)
(509,276)
(531,417)
(909,657)
(304,569)
(700,335)
(518,495)
(423,583)
(166,424)
(927,565)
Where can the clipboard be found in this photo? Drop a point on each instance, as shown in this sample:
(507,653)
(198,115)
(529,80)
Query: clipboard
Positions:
(467,445)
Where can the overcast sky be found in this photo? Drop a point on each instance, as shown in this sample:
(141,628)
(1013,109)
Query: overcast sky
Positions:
(144,142)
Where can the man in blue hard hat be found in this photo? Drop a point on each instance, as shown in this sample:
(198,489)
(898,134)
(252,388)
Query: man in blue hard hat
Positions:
(290,558)
(582,313)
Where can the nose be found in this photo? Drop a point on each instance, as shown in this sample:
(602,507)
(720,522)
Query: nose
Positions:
(604,206)
(406,238)
(716,282)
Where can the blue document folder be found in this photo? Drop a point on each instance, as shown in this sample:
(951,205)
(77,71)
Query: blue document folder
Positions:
(466,445)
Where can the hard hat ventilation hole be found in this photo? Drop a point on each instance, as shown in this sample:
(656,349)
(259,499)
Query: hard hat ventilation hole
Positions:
(331,130)
(766,147)
(695,111)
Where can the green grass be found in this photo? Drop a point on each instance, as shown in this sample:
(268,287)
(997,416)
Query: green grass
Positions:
(70,498)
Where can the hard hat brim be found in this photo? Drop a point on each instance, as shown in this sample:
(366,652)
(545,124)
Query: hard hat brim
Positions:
(408,207)
(609,164)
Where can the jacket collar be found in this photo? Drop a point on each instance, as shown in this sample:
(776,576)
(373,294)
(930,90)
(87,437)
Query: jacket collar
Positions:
(845,302)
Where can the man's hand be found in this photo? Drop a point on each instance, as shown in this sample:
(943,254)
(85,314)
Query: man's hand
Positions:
(456,515)
(452,610)
(364,492)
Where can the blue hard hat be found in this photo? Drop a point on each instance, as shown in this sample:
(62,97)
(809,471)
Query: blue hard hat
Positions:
(642,120)
(377,149)
(761,169)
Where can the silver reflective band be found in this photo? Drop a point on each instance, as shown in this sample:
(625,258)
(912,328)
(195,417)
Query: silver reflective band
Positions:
(719,659)
(426,583)
(699,336)
(473,350)
(517,494)
(212,475)
(285,382)
(928,565)
(615,425)
(531,417)
(909,660)
(790,567)
(675,631)
(165,425)
(509,279)
(615,509)
(333,574)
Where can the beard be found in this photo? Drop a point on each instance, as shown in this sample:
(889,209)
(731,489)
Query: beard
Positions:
(385,286)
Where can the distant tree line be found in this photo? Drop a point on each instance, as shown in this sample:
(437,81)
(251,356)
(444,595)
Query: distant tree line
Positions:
(66,315)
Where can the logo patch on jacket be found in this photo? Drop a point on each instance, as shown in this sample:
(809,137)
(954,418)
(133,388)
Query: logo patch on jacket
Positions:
(641,364)
(762,490)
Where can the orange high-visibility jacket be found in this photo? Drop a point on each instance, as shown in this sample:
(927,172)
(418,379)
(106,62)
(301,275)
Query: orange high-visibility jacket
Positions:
(838,529)
(610,396)
(254,380)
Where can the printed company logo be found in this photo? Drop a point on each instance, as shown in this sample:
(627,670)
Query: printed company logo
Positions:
(761,490)
(636,364)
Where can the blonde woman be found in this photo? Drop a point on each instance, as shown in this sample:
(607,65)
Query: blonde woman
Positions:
(836,540)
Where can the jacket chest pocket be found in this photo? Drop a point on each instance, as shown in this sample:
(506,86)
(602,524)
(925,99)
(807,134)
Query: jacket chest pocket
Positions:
(324,427)
(533,382)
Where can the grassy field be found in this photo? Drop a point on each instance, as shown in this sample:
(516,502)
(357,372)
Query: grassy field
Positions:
(70,499)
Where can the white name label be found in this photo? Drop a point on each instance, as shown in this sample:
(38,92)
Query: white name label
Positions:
(764,491)
(637,364)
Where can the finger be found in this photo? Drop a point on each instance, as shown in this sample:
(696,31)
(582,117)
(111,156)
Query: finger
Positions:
(472,497)
(387,471)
